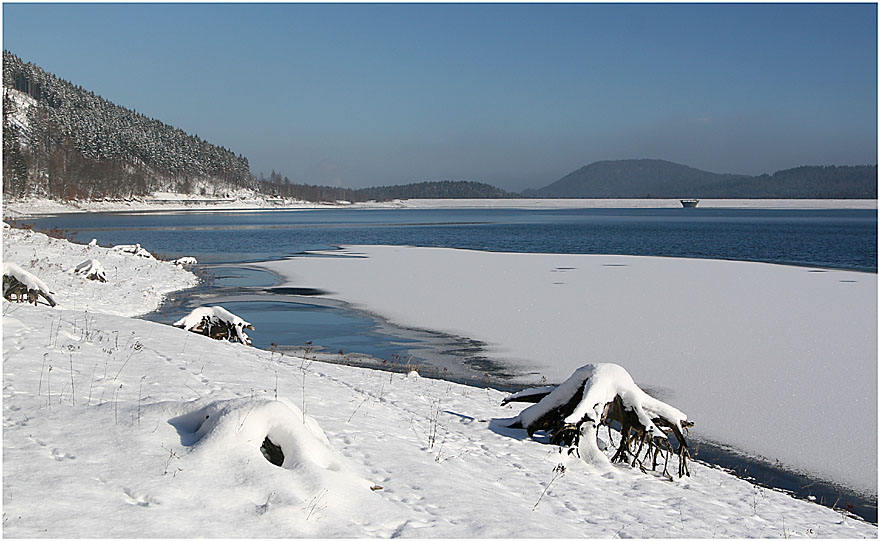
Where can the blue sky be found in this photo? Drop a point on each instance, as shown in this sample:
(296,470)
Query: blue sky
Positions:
(516,95)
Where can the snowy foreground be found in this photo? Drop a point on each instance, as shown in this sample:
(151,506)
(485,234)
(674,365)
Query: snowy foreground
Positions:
(117,427)
(777,361)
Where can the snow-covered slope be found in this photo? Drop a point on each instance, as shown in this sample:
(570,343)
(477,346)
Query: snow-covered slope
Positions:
(778,361)
(21,104)
(117,427)
(135,285)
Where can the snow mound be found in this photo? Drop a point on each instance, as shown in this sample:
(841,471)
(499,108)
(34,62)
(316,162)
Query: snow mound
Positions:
(18,282)
(229,438)
(133,249)
(91,269)
(216,322)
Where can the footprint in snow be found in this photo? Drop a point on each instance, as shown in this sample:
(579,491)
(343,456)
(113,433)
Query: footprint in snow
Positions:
(59,455)
(140,501)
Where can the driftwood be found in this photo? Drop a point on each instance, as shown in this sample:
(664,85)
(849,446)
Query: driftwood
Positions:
(571,414)
(22,286)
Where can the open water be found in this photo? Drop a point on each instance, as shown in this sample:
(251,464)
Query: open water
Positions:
(831,238)
(298,318)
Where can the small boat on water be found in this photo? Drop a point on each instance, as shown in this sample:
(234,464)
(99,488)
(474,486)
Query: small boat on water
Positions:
(689,203)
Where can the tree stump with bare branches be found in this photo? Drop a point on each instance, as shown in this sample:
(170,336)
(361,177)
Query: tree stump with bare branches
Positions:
(650,431)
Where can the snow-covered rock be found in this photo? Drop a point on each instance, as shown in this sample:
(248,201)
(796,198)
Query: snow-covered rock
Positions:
(91,269)
(216,322)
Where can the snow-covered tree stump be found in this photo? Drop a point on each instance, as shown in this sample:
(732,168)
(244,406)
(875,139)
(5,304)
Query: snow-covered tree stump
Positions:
(605,394)
(216,322)
(91,269)
(21,286)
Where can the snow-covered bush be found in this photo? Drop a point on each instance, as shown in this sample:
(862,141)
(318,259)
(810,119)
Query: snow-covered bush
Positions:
(605,394)
(91,269)
(216,322)
(133,249)
(21,286)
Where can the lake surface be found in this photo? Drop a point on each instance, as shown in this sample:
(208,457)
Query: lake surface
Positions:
(297,320)
(224,242)
(845,239)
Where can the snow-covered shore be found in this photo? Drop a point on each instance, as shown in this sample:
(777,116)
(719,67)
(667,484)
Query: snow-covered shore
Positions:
(157,202)
(137,285)
(773,360)
(246,200)
(117,427)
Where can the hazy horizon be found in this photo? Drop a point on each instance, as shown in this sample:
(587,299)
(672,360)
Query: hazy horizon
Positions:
(514,95)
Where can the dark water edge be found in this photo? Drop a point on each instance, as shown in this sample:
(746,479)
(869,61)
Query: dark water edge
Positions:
(457,359)
(763,473)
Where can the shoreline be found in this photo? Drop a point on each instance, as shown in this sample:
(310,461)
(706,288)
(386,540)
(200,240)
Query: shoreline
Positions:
(15,209)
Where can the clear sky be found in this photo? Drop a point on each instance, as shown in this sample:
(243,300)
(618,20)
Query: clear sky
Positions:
(516,95)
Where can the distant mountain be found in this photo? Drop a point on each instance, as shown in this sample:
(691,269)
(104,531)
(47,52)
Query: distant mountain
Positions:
(664,179)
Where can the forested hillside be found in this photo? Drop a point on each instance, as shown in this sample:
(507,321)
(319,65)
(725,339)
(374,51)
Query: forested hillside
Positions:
(445,189)
(64,142)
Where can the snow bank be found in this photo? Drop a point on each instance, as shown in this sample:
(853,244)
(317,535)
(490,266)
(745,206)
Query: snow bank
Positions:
(130,453)
(140,284)
(753,352)
(158,201)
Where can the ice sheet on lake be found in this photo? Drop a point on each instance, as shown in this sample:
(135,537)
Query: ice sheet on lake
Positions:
(779,361)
